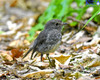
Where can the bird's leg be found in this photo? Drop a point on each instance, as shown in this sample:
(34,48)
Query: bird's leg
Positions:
(27,52)
(35,54)
(32,53)
(41,56)
(49,60)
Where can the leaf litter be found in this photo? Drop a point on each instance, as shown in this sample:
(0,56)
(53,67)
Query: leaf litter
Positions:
(77,58)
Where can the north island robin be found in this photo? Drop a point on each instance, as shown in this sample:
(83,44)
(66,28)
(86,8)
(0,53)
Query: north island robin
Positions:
(48,40)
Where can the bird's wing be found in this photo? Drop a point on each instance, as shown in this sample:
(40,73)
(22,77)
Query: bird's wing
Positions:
(39,40)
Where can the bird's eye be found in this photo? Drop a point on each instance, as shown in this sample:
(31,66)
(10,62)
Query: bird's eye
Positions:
(56,24)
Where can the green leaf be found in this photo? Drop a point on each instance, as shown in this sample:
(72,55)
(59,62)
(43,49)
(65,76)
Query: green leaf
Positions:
(80,2)
(91,19)
(61,9)
(1,32)
(97,19)
(56,10)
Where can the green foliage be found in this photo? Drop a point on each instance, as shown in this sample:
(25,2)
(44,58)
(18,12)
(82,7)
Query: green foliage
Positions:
(58,9)
(97,19)
(1,32)
(91,18)
(61,9)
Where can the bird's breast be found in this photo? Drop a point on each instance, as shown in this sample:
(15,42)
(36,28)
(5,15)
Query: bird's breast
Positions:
(54,47)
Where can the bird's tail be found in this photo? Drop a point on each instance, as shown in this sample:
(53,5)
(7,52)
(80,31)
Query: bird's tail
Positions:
(27,52)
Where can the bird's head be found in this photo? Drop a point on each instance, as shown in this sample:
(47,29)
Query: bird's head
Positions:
(54,24)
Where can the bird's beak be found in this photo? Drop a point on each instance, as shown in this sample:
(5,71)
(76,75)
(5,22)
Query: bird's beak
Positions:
(63,23)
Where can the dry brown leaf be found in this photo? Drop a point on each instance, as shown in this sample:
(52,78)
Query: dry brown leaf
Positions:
(19,44)
(5,55)
(13,3)
(85,47)
(16,53)
(38,74)
(95,41)
(86,78)
(89,60)
(3,74)
(65,66)
(95,62)
(97,78)
(76,37)
(96,72)
(42,64)
(91,29)
(61,58)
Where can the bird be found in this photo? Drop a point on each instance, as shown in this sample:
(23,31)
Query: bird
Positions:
(48,40)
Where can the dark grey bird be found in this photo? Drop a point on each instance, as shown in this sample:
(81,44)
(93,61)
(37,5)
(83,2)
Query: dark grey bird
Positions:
(48,40)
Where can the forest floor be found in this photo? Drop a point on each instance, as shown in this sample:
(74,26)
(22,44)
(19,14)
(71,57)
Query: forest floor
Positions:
(77,58)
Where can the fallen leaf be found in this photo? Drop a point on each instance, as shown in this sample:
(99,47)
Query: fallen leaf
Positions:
(61,58)
(38,74)
(85,47)
(19,44)
(96,73)
(16,53)
(41,64)
(5,55)
(86,78)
